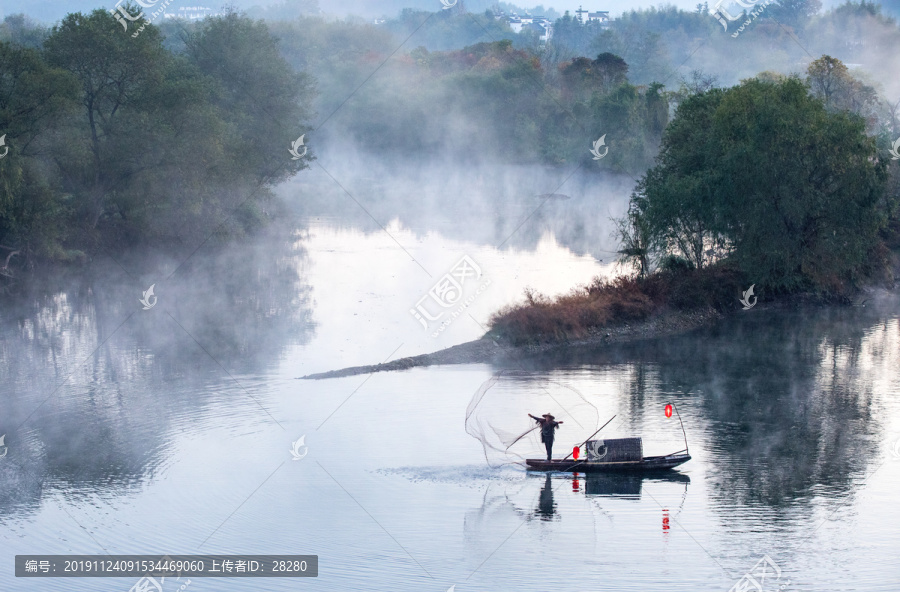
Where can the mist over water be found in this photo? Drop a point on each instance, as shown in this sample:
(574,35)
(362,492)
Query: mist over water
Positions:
(183,410)
(476,202)
(167,426)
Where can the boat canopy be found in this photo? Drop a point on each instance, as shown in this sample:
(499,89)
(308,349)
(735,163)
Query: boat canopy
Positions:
(617,450)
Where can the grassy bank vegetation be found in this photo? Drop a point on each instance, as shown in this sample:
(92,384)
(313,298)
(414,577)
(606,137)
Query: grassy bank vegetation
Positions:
(588,309)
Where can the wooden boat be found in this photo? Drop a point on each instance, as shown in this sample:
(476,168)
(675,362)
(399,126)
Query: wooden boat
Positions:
(648,463)
(624,454)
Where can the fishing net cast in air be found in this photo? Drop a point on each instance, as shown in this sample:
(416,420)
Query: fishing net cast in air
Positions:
(497,416)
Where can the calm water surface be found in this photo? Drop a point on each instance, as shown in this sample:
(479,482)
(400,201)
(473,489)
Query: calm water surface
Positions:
(169,430)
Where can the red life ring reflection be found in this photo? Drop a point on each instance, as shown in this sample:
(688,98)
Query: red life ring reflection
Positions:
(668,411)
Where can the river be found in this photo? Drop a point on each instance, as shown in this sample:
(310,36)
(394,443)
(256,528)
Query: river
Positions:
(171,429)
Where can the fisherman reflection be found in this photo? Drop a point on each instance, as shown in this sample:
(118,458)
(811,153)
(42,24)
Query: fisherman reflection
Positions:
(546,508)
(548,430)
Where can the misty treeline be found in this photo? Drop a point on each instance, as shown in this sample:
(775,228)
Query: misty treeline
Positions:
(163,134)
(120,140)
(114,140)
(497,99)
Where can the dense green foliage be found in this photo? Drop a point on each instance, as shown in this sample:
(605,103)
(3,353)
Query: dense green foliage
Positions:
(764,176)
(115,140)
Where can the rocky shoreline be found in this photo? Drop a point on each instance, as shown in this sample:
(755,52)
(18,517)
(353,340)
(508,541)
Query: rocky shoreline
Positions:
(488,350)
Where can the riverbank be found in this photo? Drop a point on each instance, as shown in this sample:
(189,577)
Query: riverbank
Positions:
(489,350)
(600,313)
(623,311)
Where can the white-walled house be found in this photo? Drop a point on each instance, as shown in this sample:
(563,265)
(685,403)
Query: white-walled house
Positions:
(601,16)
(543,29)
(539,24)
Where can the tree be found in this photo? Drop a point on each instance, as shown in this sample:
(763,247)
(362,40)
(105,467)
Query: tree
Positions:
(574,37)
(611,70)
(34,99)
(641,48)
(802,208)
(680,189)
(19,29)
(790,190)
(577,79)
(638,247)
(265,103)
(582,77)
(171,146)
(118,75)
(795,13)
(828,78)
(831,81)
(632,118)
(699,82)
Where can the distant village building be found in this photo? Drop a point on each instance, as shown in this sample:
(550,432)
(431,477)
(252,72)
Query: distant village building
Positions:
(585,17)
(543,29)
(540,25)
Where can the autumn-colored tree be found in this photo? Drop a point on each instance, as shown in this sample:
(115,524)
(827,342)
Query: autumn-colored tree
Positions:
(831,81)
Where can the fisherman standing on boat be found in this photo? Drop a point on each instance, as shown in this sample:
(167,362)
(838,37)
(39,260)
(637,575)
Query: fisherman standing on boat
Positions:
(548,428)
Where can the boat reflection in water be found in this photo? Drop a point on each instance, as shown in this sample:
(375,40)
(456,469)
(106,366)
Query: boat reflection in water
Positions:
(625,485)
(615,485)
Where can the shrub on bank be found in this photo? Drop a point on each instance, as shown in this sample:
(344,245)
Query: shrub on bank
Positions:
(609,302)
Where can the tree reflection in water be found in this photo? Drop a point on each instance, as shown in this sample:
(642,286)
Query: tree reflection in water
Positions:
(93,383)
